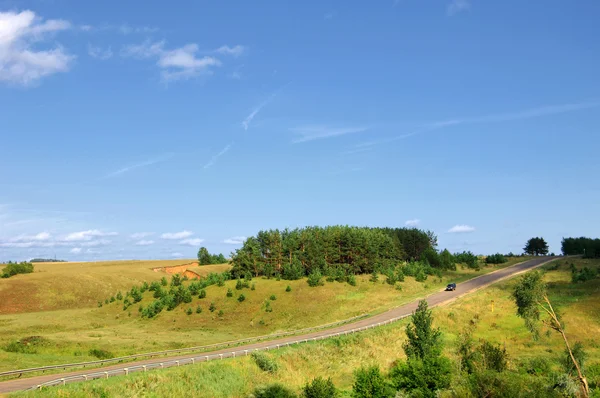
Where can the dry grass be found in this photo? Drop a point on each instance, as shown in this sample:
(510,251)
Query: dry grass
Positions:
(339,357)
(71,333)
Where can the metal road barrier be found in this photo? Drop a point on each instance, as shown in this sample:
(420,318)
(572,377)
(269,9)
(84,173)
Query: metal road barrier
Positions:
(19,372)
(205,358)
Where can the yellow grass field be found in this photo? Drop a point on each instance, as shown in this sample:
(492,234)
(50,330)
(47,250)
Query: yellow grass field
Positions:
(339,357)
(71,331)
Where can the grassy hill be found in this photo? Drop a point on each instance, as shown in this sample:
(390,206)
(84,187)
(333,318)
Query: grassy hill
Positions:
(68,335)
(339,357)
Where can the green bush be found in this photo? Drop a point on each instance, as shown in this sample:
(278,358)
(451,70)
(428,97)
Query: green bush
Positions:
(189,311)
(273,391)
(264,362)
(351,280)
(239,285)
(229,293)
(198,310)
(212,307)
(100,354)
(176,280)
(163,281)
(583,275)
(273,297)
(320,388)
(496,259)
(493,357)
(288,288)
(119,296)
(467,258)
(538,366)
(422,377)
(293,271)
(314,279)
(420,276)
(220,313)
(370,383)
(12,269)
(241,298)
(112,299)
(202,294)
(99,304)
(253,286)
(26,345)
(268,307)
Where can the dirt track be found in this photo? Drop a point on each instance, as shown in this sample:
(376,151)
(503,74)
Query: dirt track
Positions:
(434,299)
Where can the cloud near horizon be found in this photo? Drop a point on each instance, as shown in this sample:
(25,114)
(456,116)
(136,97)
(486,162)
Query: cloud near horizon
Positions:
(412,223)
(461,228)
(177,235)
(236,240)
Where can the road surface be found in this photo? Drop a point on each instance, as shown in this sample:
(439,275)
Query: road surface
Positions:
(433,300)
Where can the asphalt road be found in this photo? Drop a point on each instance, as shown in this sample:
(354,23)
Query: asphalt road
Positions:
(433,300)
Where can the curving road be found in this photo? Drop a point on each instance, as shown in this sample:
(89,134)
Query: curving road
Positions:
(434,300)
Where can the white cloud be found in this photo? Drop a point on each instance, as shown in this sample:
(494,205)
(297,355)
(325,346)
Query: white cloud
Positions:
(127,29)
(461,228)
(42,236)
(140,235)
(96,243)
(176,254)
(180,63)
(99,53)
(236,240)
(236,51)
(457,6)
(412,223)
(311,133)
(177,235)
(144,243)
(75,250)
(149,162)
(213,160)
(20,63)
(191,242)
(87,235)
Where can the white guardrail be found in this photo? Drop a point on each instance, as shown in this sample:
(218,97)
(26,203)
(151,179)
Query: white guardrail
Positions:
(101,362)
(199,359)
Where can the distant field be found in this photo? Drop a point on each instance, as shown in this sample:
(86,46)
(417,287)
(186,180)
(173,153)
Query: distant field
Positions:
(71,333)
(55,286)
(339,357)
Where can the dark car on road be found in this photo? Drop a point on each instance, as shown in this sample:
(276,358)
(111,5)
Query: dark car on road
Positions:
(451,286)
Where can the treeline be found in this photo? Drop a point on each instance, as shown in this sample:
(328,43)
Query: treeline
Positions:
(205,258)
(46,260)
(589,248)
(12,269)
(295,253)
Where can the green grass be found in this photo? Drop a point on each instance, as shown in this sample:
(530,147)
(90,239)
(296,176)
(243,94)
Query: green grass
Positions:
(72,333)
(339,357)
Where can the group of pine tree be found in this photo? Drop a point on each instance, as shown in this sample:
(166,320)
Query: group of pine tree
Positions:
(354,250)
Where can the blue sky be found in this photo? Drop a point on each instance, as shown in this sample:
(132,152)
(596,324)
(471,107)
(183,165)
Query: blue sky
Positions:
(144,130)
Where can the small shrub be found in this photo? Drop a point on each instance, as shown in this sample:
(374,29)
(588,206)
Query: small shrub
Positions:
(241,298)
(106,301)
(374,276)
(273,297)
(493,357)
(198,310)
(229,293)
(212,307)
(202,294)
(496,259)
(268,307)
(264,362)
(288,289)
(538,366)
(420,276)
(119,296)
(253,286)
(351,280)
(220,313)
(176,280)
(112,299)
(369,382)
(314,279)
(100,354)
(273,391)
(99,304)
(239,285)
(189,311)
(320,388)
(163,281)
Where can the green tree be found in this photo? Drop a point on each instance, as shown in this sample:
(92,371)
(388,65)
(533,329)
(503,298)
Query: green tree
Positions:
(536,246)
(531,298)
(273,391)
(370,383)
(204,257)
(423,340)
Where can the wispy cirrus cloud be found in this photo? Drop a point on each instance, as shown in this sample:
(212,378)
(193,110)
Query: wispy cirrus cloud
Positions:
(457,6)
(21,60)
(175,64)
(461,228)
(99,53)
(236,240)
(246,122)
(88,235)
(319,132)
(177,235)
(235,51)
(140,235)
(412,223)
(138,165)
(214,159)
